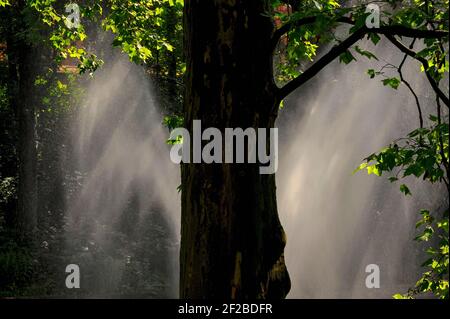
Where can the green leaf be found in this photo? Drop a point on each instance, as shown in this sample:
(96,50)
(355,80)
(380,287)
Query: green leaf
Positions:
(346,57)
(427,262)
(404,189)
(360,167)
(400,296)
(415,169)
(367,54)
(433,118)
(426,235)
(392,82)
(375,38)
(168,46)
(373,169)
(371,73)
(173,121)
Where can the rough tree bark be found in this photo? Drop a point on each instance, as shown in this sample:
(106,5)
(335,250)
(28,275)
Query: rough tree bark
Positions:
(232,241)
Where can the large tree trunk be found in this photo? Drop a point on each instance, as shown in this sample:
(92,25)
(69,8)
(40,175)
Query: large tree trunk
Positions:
(27,214)
(232,241)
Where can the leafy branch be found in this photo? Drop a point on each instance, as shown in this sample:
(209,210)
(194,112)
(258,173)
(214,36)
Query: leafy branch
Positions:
(305,32)
(424,154)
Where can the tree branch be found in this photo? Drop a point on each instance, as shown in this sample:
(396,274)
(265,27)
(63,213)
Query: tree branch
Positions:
(393,29)
(424,62)
(337,50)
(402,78)
(288,26)
(441,143)
(320,64)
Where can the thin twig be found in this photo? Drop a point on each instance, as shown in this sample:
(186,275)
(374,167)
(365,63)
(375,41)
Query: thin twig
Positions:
(424,62)
(419,109)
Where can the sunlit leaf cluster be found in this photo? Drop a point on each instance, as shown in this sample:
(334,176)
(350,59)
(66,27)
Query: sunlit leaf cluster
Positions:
(424,153)
(421,154)
(138,26)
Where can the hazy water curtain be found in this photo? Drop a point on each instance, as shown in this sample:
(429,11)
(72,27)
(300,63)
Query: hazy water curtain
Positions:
(128,205)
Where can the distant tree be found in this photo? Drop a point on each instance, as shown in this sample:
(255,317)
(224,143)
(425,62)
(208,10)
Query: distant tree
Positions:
(23,62)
